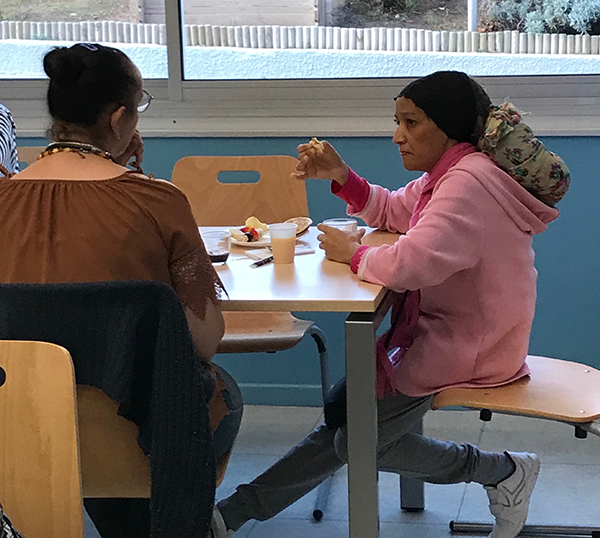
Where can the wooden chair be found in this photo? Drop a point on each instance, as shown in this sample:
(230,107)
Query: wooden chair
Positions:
(29,154)
(40,484)
(274,198)
(112,462)
(557,390)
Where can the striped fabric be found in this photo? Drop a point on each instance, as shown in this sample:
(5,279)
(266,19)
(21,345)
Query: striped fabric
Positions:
(8,141)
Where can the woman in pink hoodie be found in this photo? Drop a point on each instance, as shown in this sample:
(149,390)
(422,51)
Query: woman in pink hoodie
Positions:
(464,267)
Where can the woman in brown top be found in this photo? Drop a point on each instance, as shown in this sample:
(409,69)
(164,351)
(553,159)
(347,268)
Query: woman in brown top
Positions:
(78,214)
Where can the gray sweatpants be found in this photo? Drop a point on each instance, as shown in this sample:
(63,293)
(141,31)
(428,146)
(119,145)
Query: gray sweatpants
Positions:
(323,452)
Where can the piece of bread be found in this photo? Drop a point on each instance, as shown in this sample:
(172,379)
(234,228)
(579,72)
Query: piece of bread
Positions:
(317,145)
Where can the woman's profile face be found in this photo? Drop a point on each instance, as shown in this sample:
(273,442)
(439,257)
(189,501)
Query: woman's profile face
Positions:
(422,143)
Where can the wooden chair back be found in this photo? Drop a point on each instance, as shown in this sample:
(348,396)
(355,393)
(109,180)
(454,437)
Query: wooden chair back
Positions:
(40,485)
(274,198)
(557,390)
(29,154)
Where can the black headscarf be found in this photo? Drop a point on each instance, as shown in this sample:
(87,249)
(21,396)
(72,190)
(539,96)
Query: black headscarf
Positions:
(453,101)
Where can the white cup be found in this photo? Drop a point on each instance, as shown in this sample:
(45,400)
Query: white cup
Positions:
(218,244)
(344,224)
(283,241)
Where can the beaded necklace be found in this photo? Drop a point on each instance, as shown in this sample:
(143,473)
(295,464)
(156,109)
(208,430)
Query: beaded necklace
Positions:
(75,147)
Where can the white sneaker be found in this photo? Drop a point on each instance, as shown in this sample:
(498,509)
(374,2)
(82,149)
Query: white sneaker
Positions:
(509,500)
(218,529)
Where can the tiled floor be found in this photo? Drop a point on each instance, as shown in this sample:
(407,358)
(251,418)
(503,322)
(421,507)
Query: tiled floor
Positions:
(568,490)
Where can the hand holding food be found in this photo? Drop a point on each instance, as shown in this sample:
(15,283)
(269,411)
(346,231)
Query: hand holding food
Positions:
(317,145)
(319,160)
(253,230)
(339,246)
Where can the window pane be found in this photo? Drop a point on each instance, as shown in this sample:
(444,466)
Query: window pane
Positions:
(278,39)
(29,28)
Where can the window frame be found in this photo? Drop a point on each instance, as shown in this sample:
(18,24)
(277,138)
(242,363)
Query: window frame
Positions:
(566,105)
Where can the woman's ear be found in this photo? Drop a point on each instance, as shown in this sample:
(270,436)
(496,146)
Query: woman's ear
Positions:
(115,121)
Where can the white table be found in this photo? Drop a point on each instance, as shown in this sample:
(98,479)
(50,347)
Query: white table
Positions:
(314,284)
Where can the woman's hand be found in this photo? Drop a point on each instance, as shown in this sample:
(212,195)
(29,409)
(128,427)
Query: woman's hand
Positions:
(339,246)
(325,165)
(134,150)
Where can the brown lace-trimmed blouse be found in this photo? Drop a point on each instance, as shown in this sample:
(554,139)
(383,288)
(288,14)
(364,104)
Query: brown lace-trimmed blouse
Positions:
(125,228)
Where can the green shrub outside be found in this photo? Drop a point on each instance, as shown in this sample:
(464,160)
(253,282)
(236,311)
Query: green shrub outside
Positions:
(537,16)
(361,13)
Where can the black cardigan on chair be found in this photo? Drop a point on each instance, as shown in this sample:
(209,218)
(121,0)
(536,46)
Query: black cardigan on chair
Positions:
(131,340)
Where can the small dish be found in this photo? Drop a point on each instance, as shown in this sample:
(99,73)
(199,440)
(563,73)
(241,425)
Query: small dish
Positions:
(302,222)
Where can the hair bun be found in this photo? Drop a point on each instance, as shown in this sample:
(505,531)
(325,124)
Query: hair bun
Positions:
(63,66)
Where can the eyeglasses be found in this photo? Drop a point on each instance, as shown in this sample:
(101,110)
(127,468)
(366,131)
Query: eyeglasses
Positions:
(144,101)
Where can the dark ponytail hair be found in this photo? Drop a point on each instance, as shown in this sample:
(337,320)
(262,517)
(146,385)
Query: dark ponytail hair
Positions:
(85,80)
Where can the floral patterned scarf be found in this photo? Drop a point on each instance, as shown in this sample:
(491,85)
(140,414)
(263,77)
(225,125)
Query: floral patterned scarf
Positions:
(515,149)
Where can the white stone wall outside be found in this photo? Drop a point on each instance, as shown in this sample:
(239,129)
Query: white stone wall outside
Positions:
(308,37)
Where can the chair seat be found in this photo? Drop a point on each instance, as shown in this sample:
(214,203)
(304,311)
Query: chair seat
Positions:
(251,332)
(112,462)
(557,389)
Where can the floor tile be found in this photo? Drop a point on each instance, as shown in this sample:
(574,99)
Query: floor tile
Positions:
(293,528)
(274,430)
(554,442)
(428,530)
(564,495)
(442,502)
(243,468)
(90,529)
(244,532)
(451,425)
(298,528)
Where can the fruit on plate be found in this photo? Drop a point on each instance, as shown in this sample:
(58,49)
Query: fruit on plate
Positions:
(253,230)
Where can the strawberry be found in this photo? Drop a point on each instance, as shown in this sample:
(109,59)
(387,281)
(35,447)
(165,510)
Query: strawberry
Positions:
(251,233)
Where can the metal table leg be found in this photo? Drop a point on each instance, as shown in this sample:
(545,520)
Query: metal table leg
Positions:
(362,421)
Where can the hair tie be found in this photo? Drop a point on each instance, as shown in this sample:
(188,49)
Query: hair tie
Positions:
(89,46)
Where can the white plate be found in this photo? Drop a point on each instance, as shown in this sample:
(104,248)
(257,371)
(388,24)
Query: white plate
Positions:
(302,222)
(264,241)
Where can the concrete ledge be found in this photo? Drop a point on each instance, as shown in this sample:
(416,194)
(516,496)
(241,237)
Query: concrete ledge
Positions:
(23,59)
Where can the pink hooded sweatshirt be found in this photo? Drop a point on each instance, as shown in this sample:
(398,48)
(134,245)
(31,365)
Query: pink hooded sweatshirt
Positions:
(471,256)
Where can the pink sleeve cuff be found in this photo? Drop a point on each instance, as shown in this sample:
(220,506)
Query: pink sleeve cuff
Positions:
(357,258)
(355,191)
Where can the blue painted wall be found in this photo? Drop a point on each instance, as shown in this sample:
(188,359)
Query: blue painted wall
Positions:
(567,323)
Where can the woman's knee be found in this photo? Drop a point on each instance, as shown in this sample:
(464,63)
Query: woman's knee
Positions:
(228,428)
(233,394)
(340,443)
